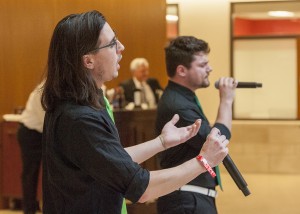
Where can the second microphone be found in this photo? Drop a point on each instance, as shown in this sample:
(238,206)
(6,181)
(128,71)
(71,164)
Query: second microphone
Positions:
(243,85)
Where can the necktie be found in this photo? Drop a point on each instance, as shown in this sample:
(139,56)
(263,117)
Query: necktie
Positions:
(217,167)
(143,93)
(111,114)
(199,105)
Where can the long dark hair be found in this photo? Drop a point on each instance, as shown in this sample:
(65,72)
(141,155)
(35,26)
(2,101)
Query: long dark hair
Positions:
(181,51)
(67,78)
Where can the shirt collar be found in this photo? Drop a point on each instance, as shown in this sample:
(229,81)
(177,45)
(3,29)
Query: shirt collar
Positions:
(186,92)
(137,83)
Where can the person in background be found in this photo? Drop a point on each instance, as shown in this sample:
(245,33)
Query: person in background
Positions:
(30,140)
(188,69)
(85,167)
(150,87)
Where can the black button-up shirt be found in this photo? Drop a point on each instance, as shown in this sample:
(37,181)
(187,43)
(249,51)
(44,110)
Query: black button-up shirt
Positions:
(85,167)
(180,100)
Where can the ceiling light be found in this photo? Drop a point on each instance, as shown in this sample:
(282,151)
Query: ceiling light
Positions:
(171,18)
(281,13)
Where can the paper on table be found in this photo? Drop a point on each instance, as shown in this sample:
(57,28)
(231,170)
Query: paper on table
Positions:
(12,117)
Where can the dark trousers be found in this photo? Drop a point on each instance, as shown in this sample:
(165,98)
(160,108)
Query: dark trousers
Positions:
(31,151)
(183,202)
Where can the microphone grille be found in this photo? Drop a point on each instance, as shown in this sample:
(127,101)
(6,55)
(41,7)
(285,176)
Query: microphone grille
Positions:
(217,84)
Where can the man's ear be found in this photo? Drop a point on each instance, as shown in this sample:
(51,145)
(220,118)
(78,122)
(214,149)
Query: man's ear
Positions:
(88,61)
(181,71)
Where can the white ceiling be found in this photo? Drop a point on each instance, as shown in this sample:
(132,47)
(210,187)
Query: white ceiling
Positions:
(259,10)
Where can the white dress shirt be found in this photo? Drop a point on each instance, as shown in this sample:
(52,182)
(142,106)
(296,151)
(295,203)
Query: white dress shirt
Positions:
(33,115)
(149,96)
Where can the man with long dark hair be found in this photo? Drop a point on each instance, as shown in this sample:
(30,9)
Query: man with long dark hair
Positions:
(85,167)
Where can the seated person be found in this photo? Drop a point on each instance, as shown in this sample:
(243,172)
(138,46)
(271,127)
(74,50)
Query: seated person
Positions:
(150,87)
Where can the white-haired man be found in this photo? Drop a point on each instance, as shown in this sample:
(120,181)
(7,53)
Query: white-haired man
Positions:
(150,87)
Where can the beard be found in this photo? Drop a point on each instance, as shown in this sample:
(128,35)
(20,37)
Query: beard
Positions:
(205,83)
(198,83)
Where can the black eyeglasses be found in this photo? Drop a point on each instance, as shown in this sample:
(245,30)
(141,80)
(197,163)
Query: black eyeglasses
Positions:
(113,43)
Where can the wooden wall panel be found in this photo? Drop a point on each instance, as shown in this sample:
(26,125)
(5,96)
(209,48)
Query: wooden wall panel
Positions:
(26,28)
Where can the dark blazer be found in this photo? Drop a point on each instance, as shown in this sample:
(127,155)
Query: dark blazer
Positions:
(129,88)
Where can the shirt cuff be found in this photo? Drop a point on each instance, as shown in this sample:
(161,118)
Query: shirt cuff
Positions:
(138,185)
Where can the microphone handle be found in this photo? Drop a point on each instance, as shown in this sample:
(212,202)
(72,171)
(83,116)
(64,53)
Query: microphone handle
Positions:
(236,175)
(243,85)
(249,85)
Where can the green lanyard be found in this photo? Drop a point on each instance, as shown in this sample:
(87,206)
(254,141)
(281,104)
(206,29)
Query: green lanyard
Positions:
(217,167)
(111,114)
(109,110)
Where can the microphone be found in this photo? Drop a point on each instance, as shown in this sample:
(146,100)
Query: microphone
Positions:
(236,175)
(243,85)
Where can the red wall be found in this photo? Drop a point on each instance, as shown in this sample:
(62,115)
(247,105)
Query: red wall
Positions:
(247,27)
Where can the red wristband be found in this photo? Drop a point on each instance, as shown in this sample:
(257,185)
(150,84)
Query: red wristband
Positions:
(206,165)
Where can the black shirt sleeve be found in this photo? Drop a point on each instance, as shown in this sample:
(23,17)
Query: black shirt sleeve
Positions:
(93,145)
